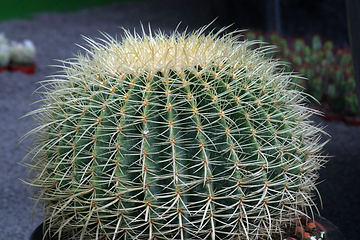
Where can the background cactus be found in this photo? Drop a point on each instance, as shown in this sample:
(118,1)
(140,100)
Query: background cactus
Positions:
(186,136)
(4,50)
(3,39)
(324,65)
(22,53)
(4,55)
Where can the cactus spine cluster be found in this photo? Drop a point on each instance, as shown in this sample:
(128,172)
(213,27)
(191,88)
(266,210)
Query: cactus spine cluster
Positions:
(180,136)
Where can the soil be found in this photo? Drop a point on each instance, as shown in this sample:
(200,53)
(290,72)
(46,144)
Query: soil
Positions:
(292,234)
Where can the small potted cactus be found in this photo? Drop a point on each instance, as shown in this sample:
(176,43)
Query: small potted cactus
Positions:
(181,136)
(329,71)
(4,52)
(22,57)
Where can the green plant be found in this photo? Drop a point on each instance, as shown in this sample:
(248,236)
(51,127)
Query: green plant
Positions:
(299,45)
(352,104)
(3,39)
(316,43)
(4,50)
(186,136)
(4,55)
(330,73)
(22,53)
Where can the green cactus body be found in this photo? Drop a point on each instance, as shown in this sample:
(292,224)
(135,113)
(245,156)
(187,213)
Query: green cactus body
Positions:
(299,45)
(316,43)
(352,104)
(187,136)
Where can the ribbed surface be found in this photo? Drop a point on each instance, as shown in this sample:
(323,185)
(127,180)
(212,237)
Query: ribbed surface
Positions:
(197,152)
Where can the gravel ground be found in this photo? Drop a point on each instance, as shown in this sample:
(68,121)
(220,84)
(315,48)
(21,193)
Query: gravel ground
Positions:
(54,36)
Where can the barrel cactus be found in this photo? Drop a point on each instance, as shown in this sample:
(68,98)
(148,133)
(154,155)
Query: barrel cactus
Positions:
(179,136)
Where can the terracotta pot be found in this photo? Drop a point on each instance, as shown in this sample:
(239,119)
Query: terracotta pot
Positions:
(28,69)
(3,68)
(333,117)
(331,231)
(353,121)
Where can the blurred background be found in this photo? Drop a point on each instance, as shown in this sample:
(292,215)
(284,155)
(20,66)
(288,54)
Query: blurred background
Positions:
(312,35)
